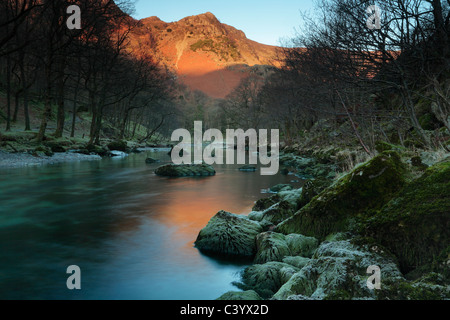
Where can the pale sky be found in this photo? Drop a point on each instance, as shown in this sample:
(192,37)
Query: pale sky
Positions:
(263,21)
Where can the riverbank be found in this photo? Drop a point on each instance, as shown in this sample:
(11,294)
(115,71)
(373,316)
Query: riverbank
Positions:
(325,240)
(20,160)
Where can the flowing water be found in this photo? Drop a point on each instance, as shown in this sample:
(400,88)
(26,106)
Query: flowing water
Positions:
(131,232)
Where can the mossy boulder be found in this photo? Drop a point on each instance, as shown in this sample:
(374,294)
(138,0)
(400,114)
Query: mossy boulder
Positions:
(415,225)
(95,149)
(265,279)
(57,146)
(368,186)
(338,270)
(266,203)
(431,286)
(311,189)
(229,234)
(185,170)
(273,246)
(281,187)
(249,295)
(118,145)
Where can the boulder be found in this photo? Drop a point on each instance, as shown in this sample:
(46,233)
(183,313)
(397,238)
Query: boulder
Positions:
(368,186)
(265,279)
(185,170)
(249,295)
(415,225)
(281,187)
(273,246)
(118,145)
(151,161)
(338,270)
(229,234)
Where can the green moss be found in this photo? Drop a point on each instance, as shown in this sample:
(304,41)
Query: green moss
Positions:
(368,186)
(382,146)
(266,203)
(417,290)
(415,225)
(249,295)
(118,145)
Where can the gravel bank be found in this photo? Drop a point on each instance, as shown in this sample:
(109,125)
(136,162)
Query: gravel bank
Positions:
(19,160)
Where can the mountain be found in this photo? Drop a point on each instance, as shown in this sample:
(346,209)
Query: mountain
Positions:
(207,55)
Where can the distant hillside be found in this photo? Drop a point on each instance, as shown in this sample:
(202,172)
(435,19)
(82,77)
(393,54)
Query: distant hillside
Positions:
(206,54)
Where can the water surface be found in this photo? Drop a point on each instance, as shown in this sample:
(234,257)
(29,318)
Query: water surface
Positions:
(131,232)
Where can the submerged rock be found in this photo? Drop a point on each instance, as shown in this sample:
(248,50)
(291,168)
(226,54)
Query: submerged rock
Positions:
(229,234)
(151,160)
(273,210)
(368,186)
(281,187)
(185,170)
(118,145)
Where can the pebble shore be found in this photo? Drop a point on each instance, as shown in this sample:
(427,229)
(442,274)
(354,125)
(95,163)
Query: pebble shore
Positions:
(20,160)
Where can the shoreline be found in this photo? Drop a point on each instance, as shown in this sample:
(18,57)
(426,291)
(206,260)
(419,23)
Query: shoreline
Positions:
(10,160)
(25,160)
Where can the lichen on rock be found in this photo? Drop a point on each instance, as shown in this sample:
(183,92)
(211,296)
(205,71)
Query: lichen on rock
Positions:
(229,234)
(368,186)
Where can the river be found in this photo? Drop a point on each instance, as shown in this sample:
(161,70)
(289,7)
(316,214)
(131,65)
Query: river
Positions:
(131,232)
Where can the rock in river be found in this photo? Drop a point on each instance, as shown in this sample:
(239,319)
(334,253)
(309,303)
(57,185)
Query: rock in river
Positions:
(185,170)
(229,234)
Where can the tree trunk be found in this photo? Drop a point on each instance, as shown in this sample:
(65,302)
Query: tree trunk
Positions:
(60,118)
(8,93)
(25,93)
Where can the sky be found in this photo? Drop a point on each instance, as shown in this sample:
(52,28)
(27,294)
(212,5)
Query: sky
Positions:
(265,21)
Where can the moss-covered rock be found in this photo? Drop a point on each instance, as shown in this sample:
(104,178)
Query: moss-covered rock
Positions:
(265,279)
(43,151)
(296,261)
(430,287)
(249,295)
(229,234)
(95,149)
(368,186)
(311,189)
(185,170)
(118,145)
(57,146)
(266,203)
(273,210)
(338,270)
(415,225)
(301,245)
(271,246)
(281,187)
